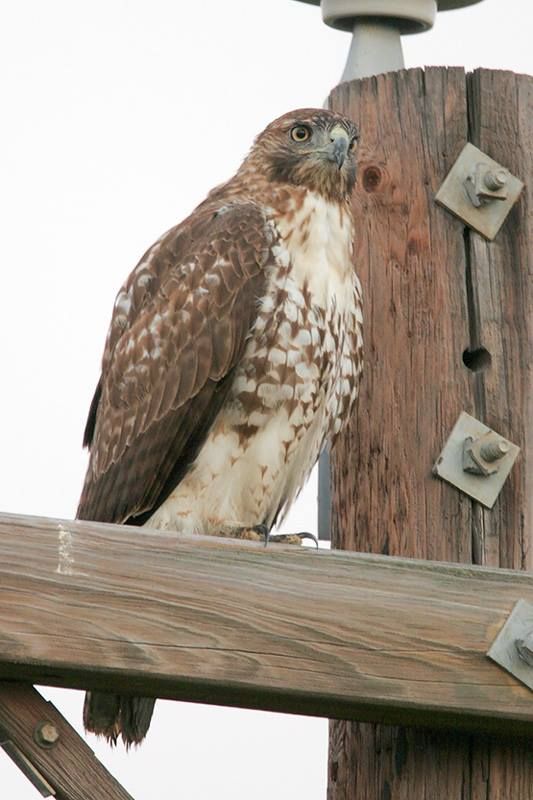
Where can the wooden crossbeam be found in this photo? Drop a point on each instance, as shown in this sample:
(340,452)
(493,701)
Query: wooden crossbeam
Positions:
(286,629)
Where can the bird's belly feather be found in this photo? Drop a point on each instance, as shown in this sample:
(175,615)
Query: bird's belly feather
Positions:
(294,387)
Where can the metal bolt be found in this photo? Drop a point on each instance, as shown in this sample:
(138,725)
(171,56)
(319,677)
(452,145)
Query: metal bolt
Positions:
(46,734)
(480,454)
(525,648)
(492,451)
(495,180)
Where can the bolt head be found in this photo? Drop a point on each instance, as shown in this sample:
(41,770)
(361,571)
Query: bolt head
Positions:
(46,734)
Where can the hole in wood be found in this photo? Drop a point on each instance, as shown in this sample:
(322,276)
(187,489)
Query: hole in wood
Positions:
(478,359)
(371,178)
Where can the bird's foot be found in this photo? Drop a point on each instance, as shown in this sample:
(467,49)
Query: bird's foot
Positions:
(260,533)
(284,538)
(292,538)
(253,534)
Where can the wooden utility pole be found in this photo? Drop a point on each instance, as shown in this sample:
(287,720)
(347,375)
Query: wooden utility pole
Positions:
(448,328)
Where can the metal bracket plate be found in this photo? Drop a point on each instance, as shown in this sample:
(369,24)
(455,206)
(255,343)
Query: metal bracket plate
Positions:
(27,768)
(479,191)
(504,650)
(452,467)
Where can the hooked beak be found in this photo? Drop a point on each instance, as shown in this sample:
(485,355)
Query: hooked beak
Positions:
(337,149)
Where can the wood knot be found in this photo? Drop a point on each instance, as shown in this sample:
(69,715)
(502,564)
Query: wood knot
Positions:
(371,178)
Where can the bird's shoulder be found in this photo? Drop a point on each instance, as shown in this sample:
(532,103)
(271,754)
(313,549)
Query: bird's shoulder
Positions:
(204,259)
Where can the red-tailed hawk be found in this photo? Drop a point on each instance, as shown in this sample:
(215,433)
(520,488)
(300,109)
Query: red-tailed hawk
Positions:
(233,356)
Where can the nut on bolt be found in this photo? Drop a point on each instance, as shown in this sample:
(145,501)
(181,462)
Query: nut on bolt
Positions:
(481,455)
(484,184)
(493,450)
(46,734)
(495,179)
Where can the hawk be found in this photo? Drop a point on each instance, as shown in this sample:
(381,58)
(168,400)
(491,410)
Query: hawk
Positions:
(233,356)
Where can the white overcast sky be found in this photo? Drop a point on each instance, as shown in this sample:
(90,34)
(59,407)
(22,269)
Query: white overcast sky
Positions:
(117,117)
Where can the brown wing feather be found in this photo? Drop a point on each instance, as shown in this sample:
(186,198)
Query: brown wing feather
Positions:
(178,330)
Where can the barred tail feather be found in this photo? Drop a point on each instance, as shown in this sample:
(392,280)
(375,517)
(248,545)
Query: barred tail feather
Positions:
(113,715)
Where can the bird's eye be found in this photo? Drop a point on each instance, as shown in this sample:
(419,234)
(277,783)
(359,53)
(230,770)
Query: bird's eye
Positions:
(353,142)
(300,133)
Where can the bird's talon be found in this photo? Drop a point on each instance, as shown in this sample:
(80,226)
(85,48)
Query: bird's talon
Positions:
(307,535)
(263,531)
(293,538)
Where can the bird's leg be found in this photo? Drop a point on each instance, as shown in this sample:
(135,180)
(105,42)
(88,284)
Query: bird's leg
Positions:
(254,533)
(251,534)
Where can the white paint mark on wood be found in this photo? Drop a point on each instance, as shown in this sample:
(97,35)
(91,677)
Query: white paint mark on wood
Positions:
(65,558)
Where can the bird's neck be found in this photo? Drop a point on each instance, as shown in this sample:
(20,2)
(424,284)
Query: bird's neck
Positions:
(250,184)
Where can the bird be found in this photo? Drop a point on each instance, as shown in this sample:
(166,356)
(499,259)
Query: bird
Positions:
(233,357)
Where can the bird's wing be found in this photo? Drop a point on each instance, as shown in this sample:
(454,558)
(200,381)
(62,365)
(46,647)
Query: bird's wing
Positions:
(179,328)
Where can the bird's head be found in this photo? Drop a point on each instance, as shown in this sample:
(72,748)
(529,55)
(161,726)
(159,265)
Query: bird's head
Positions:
(310,147)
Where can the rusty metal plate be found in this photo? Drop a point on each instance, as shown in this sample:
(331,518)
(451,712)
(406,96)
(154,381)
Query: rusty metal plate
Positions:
(488,217)
(504,650)
(451,466)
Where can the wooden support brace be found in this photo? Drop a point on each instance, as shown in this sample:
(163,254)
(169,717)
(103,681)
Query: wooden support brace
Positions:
(49,751)
(286,629)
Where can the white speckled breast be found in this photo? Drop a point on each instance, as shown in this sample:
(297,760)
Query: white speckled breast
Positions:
(295,385)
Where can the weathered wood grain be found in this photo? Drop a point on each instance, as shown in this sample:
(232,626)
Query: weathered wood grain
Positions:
(70,766)
(432,291)
(288,629)
(501,313)
(411,260)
